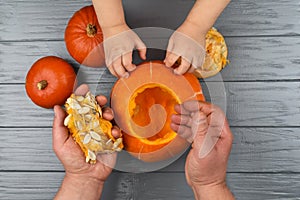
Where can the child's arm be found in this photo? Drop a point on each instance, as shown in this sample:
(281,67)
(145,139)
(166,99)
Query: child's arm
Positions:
(192,34)
(205,12)
(119,39)
(110,14)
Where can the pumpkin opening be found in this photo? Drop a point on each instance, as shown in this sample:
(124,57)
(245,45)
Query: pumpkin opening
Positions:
(143,105)
(91,30)
(139,107)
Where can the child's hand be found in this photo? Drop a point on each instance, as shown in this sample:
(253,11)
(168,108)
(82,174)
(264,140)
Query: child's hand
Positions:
(187,42)
(119,43)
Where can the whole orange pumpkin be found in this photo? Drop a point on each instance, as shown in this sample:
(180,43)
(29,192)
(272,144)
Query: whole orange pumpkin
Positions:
(83,38)
(50,81)
(143,105)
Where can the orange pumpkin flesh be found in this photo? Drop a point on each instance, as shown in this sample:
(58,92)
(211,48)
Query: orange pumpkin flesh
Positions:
(148,135)
(50,81)
(83,38)
(88,127)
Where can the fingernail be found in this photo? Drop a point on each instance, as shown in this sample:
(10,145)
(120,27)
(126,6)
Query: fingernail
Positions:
(167,65)
(176,72)
(125,75)
(133,67)
(173,117)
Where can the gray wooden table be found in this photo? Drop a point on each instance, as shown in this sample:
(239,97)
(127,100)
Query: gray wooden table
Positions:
(262,87)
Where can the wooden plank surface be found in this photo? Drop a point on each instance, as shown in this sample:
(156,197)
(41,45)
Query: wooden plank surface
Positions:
(250,59)
(158,186)
(254,150)
(46,20)
(240,18)
(253,186)
(248,104)
(40,186)
(261,84)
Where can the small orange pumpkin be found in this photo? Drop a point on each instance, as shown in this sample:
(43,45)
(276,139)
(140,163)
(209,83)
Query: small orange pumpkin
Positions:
(83,38)
(50,81)
(143,105)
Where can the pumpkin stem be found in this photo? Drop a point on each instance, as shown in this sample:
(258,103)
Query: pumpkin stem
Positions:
(42,84)
(91,30)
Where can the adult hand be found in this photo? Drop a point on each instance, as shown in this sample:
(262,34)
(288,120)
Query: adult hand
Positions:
(206,125)
(119,43)
(187,42)
(70,154)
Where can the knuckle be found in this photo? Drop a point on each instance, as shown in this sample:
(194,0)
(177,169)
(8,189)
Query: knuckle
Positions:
(202,116)
(112,71)
(115,65)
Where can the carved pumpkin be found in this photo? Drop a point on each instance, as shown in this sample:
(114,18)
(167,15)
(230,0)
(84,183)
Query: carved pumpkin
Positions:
(216,55)
(50,81)
(83,38)
(143,105)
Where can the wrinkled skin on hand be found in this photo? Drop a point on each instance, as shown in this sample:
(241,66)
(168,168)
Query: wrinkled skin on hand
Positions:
(204,125)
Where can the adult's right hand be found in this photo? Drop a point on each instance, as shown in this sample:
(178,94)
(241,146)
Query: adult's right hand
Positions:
(204,125)
(119,42)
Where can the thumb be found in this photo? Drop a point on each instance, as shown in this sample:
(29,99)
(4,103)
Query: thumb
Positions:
(59,132)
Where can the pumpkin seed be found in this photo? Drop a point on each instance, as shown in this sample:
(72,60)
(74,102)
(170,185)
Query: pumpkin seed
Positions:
(108,141)
(78,125)
(67,120)
(84,114)
(99,110)
(118,149)
(82,133)
(87,159)
(92,155)
(95,136)
(117,143)
(79,98)
(88,117)
(73,103)
(84,110)
(87,139)
(96,124)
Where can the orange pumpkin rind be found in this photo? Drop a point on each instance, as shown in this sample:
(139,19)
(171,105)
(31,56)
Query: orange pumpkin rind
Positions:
(83,38)
(90,131)
(50,81)
(132,99)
